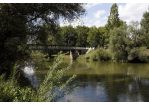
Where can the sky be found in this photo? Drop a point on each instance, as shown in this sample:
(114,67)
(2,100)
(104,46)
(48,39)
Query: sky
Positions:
(97,13)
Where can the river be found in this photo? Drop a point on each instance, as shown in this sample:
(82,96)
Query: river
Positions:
(101,81)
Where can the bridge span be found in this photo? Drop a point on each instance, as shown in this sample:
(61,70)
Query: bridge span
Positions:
(74,51)
(56,47)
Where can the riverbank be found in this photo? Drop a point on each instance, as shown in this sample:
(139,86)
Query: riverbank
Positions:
(100,54)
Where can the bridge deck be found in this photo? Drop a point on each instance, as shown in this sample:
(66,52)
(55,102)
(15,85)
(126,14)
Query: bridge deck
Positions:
(56,47)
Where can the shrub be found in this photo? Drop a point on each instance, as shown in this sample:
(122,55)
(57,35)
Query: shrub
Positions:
(139,53)
(101,54)
(143,56)
(49,90)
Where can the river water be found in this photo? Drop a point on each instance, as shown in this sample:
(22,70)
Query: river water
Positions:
(101,81)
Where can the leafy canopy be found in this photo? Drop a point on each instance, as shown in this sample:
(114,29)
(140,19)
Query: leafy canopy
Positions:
(21,22)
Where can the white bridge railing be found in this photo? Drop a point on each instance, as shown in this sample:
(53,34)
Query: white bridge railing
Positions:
(55,47)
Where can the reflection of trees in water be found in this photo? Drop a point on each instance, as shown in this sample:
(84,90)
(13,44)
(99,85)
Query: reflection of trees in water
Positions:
(119,81)
(128,89)
(132,90)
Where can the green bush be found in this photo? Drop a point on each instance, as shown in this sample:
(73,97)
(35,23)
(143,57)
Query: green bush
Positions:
(81,57)
(48,90)
(143,56)
(101,54)
(139,53)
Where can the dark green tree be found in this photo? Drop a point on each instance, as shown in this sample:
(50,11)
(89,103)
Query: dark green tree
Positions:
(145,28)
(104,38)
(118,43)
(145,22)
(113,18)
(93,37)
(69,36)
(82,36)
(98,36)
(124,46)
(19,22)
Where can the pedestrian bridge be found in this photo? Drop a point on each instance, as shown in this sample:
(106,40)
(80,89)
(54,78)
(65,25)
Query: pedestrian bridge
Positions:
(74,51)
(56,47)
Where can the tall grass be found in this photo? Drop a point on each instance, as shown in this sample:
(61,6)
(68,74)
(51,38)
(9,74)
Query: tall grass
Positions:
(49,90)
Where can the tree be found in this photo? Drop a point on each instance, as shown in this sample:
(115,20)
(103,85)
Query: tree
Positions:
(69,36)
(93,37)
(124,47)
(134,32)
(82,36)
(145,28)
(97,36)
(18,21)
(104,38)
(145,22)
(113,18)
(118,43)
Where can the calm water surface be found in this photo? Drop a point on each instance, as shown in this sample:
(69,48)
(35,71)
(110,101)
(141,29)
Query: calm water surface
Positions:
(102,81)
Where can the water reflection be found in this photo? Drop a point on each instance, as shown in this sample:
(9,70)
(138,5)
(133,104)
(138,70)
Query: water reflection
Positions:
(104,81)
(29,70)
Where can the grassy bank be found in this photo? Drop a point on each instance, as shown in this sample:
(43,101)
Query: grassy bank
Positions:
(140,54)
(98,54)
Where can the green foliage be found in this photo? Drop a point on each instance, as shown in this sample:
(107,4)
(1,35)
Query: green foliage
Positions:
(93,37)
(69,36)
(101,54)
(134,32)
(138,53)
(49,90)
(145,22)
(104,37)
(81,58)
(113,19)
(98,36)
(124,47)
(118,39)
(145,29)
(82,36)
(143,56)
(22,24)
(38,58)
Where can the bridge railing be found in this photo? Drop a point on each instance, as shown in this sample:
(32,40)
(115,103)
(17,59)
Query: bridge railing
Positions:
(56,47)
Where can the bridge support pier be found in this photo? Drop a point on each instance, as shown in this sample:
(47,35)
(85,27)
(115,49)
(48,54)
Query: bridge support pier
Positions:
(49,53)
(73,54)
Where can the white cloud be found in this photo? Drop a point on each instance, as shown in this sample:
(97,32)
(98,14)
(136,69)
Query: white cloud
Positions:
(73,23)
(132,11)
(89,5)
(99,23)
(105,18)
(89,25)
(98,13)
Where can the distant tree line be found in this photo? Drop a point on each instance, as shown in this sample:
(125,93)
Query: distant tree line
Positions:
(81,36)
(38,23)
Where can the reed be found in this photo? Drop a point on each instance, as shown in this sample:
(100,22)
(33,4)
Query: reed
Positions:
(50,89)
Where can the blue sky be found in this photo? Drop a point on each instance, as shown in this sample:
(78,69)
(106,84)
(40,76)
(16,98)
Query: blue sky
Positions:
(97,13)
